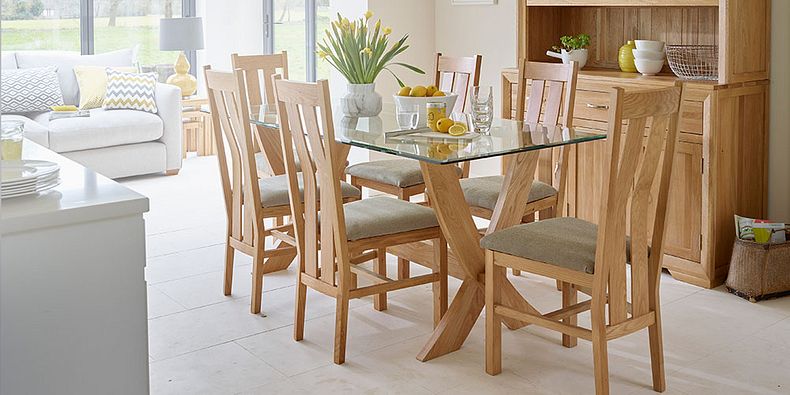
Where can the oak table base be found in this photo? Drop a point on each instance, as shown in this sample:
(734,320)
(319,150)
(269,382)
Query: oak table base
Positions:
(455,219)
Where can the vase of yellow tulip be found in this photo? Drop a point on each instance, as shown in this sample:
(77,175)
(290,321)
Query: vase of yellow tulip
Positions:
(360,52)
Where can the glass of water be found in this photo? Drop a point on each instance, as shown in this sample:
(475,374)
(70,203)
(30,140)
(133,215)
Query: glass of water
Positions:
(408,116)
(482,101)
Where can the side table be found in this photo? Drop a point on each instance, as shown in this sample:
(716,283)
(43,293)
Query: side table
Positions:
(198,131)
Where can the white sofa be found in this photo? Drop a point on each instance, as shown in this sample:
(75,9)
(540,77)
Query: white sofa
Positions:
(115,143)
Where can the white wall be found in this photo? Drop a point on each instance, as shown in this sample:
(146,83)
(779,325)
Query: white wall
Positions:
(779,148)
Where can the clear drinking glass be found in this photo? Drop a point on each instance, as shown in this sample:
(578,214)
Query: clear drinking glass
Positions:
(11,134)
(408,116)
(482,101)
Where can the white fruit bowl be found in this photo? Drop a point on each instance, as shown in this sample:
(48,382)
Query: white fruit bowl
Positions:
(649,55)
(648,67)
(649,45)
(421,102)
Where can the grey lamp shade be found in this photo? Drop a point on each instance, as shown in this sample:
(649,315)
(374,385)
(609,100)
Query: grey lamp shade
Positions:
(181,34)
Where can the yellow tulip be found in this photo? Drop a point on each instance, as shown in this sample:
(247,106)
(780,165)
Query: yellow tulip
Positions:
(367,51)
(378,23)
(387,31)
(368,14)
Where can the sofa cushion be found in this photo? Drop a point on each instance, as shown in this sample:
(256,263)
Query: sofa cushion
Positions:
(65,62)
(34,131)
(130,91)
(92,81)
(28,90)
(103,129)
(7,61)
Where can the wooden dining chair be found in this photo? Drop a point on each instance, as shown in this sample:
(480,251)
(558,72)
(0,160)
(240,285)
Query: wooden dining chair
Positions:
(403,177)
(552,89)
(594,259)
(334,242)
(258,71)
(249,200)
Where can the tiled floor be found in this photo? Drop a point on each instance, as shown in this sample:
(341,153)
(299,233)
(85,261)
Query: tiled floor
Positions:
(207,343)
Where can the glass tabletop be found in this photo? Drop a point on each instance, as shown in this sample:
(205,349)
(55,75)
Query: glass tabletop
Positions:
(381,133)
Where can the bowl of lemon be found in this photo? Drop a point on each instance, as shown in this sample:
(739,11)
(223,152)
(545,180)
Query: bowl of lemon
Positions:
(418,97)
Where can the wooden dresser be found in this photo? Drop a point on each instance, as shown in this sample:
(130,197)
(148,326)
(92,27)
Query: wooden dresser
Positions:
(721,161)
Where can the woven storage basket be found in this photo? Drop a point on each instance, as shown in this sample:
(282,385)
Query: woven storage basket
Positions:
(759,271)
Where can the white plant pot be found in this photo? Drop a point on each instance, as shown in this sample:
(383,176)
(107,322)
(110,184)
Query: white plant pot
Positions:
(577,55)
(362,100)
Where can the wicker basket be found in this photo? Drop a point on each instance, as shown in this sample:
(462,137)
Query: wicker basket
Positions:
(694,62)
(759,271)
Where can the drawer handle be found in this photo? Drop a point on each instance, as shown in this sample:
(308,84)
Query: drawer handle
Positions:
(598,106)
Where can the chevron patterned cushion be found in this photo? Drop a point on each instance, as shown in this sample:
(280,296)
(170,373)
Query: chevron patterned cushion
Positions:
(130,91)
(28,90)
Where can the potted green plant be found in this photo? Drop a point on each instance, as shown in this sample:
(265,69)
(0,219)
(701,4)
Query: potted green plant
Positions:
(574,48)
(360,53)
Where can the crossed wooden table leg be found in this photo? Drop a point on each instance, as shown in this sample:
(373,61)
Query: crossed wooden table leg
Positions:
(455,218)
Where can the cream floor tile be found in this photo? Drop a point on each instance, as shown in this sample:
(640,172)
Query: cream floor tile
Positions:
(778,333)
(160,304)
(206,289)
(185,239)
(222,369)
(189,263)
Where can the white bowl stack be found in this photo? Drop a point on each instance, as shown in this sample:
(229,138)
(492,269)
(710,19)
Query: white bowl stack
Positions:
(649,56)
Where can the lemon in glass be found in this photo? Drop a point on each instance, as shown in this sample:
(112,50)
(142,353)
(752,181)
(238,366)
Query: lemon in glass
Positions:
(418,91)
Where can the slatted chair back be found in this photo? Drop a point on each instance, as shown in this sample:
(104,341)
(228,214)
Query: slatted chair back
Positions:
(258,71)
(233,135)
(636,160)
(554,84)
(457,74)
(306,124)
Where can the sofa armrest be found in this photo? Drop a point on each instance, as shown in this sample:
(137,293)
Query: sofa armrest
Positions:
(168,101)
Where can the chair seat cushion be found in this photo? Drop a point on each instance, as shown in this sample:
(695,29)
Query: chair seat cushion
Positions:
(564,242)
(263,165)
(381,216)
(274,190)
(397,172)
(484,191)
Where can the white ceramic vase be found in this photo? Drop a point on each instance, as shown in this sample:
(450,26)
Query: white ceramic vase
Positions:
(362,100)
(576,55)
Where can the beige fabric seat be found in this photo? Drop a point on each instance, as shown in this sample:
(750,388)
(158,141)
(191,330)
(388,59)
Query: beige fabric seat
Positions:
(398,172)
(484,191)
(274,190)
(564,242)
(381,216)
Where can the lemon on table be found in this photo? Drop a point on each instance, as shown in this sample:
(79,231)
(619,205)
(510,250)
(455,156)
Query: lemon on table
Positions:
(430,90)
(457,130)
(405,91)
(438,93)
(418,91)
(443,125)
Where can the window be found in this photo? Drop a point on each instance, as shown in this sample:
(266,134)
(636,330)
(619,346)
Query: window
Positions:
(91,26)
(36,25)
(294,26)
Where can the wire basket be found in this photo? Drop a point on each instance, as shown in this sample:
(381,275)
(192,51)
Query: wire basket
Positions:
(694,62)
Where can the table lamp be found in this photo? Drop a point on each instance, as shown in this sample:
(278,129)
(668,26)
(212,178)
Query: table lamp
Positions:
(181,34)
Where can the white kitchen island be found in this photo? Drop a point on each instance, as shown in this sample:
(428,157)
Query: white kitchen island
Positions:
(72,289)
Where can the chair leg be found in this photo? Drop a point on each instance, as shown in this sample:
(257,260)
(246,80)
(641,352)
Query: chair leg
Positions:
(440,287)
(380,300)
(341,327)
(299,308)
(657,353)
(257,282)
(404,268)
(600,352)
(230,253)
(494,274)
(569,298)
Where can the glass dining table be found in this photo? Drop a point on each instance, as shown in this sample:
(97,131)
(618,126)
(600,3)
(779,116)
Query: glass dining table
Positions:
(521,142)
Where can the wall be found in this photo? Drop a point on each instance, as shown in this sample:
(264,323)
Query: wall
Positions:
(779,147)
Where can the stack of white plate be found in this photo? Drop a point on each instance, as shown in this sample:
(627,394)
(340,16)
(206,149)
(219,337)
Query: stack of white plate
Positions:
(25,177)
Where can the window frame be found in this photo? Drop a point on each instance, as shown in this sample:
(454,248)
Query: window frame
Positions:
(311,20)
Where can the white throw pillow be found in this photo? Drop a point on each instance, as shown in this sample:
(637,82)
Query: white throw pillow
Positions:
(65,62)
(28,90)
(130,91)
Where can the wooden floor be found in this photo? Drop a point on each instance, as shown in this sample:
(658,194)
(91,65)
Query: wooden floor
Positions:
(204,342)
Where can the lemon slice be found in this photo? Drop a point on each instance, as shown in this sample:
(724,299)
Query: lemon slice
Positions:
(457,130)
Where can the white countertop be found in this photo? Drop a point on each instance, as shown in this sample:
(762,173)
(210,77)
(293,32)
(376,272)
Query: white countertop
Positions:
(82,196)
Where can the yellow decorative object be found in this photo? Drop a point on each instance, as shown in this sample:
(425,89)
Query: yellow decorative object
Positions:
(92,81)
(626,57)
(182,79)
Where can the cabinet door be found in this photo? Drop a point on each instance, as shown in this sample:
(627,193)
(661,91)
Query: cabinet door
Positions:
(744,45)
(683,235)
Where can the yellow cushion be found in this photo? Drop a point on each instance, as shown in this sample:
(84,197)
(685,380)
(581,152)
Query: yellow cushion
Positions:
(92,81)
